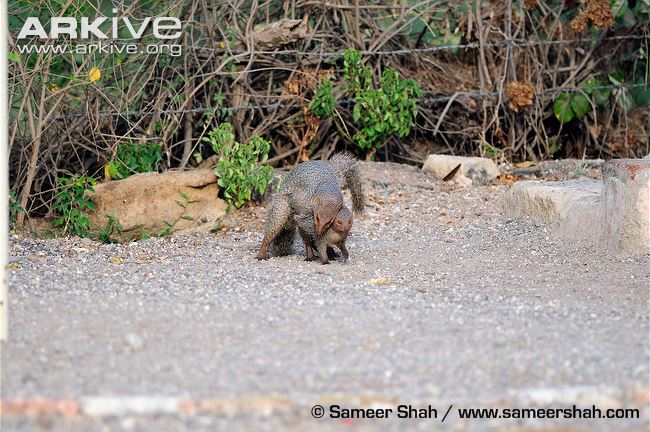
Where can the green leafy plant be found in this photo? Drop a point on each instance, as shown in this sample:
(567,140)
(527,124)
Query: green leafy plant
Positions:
(492,151)
(113,226)
(358,77)
(183,204)
(71,202)
(324,103)
(133,158)
(380,112)
(592,93)
(239,170)
(14,209)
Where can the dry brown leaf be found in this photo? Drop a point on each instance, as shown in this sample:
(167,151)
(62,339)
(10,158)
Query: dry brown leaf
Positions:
(507,179)
(452,173)
(520,95)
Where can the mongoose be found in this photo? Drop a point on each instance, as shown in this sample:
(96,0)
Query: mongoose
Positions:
(335,235)
(312,189)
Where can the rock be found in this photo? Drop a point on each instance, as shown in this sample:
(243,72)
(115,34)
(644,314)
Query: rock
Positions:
(151,202)
(479,170)
(625,205)
(573,207)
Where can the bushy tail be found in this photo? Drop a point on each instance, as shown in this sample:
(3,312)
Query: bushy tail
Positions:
(283,244)
(347,172)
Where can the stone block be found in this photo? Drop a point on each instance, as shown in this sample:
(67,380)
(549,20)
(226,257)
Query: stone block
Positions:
(625,205)
(479,170)
(572,207)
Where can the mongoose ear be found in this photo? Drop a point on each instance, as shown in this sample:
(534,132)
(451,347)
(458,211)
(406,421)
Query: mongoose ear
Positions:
(321,220)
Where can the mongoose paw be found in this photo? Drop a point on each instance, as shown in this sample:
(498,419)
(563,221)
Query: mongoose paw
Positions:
(309,259)
(262,257)
(325,262)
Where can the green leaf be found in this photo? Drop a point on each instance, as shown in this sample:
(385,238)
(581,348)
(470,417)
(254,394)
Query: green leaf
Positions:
(617,77)
(13,57)
(601,96)
(562,108)
(589,84)
(580,105)
(555,147)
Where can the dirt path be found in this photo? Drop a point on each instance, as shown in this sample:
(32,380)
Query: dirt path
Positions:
(443,302)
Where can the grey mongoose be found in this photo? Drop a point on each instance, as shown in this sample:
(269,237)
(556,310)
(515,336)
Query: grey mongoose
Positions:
(335,235)
(312,192)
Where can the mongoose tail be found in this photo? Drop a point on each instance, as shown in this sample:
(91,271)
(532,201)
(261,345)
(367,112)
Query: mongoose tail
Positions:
(347,172)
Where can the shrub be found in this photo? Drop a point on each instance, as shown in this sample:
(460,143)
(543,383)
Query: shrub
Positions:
(380,112)
(239,170)
(324,103)
(133,158)
(71,202)
(113,228)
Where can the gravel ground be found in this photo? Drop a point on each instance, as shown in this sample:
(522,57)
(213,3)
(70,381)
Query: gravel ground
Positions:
(443,300)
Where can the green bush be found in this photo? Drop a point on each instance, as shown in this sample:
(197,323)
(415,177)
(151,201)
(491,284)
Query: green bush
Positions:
(71,202)
(324,103)
(380,112)
(14,209)
(239,170)
(134,158)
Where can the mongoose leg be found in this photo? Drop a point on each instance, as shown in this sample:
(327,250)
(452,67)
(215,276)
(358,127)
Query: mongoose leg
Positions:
(331,253)
(264,251)
(344,251)
(322,251)
(277,218)
(308,248)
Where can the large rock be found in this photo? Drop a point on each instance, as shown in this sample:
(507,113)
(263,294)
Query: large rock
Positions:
(479,170)
(625,205)
(573,207)
(151,202)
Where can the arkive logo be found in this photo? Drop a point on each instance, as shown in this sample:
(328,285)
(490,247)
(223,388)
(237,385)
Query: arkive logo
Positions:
(75,35)
(163,27)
